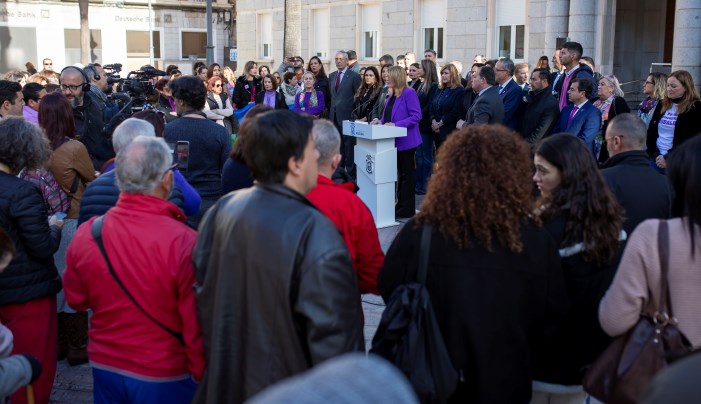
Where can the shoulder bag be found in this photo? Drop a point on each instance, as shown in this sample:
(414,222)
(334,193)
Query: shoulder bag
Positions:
(96,231)
(625,369)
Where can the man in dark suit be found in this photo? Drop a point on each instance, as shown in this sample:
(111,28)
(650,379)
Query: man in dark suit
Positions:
(580,118)
(343,84)
(540,112)
(643,192)
(510,92)
(488,107)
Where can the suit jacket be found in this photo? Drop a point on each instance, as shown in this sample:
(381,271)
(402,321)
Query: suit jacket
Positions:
(585,124)
(511,96)
(406,113)
(341,104)
(487,108)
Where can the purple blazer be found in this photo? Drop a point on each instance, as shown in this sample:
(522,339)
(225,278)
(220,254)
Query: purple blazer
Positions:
(406,113)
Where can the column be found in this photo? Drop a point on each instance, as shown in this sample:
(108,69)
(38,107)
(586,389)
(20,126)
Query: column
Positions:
(686,52)
(556,23)
(582,24)
(536,24)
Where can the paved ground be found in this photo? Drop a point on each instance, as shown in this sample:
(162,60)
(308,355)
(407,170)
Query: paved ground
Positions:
(74,384)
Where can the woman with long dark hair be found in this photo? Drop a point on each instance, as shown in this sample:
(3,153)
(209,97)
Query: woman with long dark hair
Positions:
(71,166)
(427,92)
(585,220)
(493,274)
(366,96)
(676,119)
(321,80)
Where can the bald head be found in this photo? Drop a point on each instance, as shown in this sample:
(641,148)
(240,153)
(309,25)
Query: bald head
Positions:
(328,142)
(625,132)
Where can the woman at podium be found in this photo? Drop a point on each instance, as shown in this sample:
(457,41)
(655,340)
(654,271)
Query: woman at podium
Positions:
(402,109)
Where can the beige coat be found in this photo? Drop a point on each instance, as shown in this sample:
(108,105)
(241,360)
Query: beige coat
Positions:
(69,160)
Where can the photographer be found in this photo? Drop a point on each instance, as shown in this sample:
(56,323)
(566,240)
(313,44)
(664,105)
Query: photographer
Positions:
(290,64)
(99,87)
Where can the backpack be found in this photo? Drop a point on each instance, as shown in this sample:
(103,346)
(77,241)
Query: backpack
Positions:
(409,337)
(55,198)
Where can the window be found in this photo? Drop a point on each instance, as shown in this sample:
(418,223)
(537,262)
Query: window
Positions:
(265,35)
(138,43)
(72,42)
(321,21)
(511,29)
(193,44)
(511,41)
(370,40)
(432,24)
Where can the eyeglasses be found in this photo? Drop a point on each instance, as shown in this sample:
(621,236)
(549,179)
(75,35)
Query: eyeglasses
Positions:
(650,83)
(72,88)
(501,70)
(48,64)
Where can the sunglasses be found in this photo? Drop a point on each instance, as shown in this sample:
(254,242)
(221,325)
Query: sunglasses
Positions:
(217,85)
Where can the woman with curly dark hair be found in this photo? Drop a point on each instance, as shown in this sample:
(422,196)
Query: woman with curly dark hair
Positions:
(585,220)
(493,275)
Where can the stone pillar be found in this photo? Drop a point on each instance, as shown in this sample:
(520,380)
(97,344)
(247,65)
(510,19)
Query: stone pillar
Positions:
(686,52)
(582,25)
(556,23)
(536,24)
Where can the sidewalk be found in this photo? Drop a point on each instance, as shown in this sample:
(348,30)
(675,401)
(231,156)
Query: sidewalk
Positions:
(74,384)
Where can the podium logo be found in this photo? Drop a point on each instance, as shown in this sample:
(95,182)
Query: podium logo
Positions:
(352,128)
(369,163)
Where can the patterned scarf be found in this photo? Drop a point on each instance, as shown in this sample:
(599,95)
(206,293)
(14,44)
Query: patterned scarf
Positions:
(647,105)
(313,101)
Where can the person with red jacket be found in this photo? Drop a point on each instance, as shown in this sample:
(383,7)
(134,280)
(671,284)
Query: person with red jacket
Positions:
(345,209)
(146,347)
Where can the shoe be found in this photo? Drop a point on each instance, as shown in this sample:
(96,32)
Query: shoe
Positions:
(399,214)
(77,336)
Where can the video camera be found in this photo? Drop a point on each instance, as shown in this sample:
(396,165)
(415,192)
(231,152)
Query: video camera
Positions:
(131,92)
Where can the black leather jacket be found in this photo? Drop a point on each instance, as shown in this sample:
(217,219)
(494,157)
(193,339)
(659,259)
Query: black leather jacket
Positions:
(276,291)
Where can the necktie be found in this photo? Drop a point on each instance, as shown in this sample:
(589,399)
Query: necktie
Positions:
(500,89)
(574,111)
(338,80)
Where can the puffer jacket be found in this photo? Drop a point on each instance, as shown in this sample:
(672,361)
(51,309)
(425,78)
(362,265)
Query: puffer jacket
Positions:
(102,195)
(289,303)
(32,273)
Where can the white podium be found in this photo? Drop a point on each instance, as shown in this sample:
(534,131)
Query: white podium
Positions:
(376,161)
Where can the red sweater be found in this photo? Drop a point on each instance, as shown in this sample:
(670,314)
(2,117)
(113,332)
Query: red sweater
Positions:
(151,251)
(354,220)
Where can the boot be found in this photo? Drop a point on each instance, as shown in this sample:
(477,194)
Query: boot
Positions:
(77,335)
(62,339)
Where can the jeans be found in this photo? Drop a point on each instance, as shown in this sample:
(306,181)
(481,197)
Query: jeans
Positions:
(424,162)
(110,387)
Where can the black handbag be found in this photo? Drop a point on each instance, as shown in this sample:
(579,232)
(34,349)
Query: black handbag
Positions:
(408,336)
(623,372)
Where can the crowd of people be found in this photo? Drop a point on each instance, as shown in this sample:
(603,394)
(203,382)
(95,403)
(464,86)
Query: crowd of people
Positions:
(215,256)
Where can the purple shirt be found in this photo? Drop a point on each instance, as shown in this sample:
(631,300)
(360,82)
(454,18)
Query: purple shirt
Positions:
(269,98)
(30,115)
(306,96)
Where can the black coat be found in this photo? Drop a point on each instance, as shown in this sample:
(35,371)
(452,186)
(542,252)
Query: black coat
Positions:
(243,91)
(290,302)
(688,125)
(563,357)
(446,107)
(23,215)
(490,306)
(539,115)
(619,106)
(643,192)
(322,84)
(363,105)
(280,102)
(468,98)
(89,125)
(425,100)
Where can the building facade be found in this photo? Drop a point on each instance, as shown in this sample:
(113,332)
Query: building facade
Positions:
(33,30)
(625,37)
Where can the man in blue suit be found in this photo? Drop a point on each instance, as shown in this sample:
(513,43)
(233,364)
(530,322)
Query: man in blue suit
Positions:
(581,118)
(510,92)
